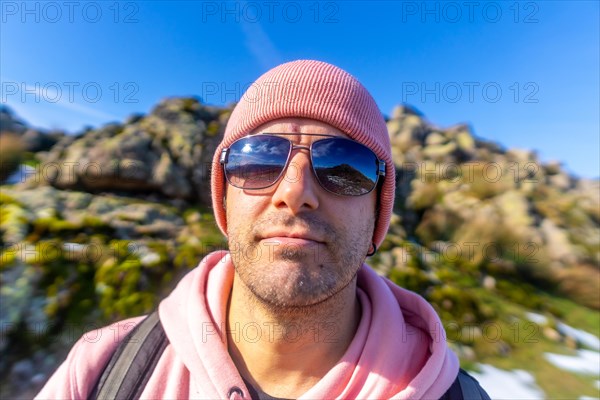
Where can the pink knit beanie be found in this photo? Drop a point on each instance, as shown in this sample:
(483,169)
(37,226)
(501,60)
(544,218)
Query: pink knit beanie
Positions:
(319,91)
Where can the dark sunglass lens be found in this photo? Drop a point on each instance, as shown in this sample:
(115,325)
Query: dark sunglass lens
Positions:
(344,166)
(256,162)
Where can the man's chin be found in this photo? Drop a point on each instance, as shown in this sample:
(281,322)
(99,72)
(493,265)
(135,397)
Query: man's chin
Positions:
(289,304)
(292,291)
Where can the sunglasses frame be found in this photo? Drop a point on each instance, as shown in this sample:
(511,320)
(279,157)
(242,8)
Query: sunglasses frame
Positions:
(223,159)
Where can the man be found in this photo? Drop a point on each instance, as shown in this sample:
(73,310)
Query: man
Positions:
(303,187)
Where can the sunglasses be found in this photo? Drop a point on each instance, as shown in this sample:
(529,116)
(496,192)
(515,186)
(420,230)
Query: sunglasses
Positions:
(342,166)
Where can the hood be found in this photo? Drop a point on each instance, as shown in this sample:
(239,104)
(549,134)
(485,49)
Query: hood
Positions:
(399,350)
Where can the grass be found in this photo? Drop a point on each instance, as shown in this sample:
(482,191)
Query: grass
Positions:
(528,346)
(576,315)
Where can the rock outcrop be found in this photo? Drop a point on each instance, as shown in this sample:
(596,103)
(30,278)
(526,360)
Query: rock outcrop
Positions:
(168,152)
(101,224)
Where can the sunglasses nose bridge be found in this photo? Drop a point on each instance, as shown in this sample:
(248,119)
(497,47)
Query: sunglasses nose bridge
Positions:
(299,147)
(296,166)
(297,187)
(294,148)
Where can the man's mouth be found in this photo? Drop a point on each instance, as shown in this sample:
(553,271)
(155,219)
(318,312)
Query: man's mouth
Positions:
(290,237)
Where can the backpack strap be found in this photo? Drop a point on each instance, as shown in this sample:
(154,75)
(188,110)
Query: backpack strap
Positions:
(134,360)
(470,387)
(465,387)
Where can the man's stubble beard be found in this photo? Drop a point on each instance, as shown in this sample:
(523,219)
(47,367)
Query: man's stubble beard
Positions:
(319,273)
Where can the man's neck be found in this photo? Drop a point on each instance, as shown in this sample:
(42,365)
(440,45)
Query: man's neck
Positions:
(286,352)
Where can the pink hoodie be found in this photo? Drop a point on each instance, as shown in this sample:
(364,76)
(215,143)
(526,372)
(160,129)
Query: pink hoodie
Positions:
(399,350)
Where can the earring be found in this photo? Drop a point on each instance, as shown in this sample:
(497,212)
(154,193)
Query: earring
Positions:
(370,253)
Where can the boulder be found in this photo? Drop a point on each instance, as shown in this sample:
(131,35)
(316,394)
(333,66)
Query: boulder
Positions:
(36,140)
(168,151)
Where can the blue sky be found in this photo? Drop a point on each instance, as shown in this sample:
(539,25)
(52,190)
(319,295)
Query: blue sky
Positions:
(525,74)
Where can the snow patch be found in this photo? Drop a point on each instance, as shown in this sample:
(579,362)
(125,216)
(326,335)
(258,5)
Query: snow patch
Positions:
(536,318)
(502,384)
(583,337)
(585,362)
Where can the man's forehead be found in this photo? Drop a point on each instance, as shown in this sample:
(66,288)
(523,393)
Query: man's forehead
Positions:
(290,126)
(297,125)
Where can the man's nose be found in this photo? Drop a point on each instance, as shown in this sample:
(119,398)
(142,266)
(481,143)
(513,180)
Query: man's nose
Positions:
(298,188)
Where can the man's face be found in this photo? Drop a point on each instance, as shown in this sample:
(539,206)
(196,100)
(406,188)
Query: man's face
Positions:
(295,244)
